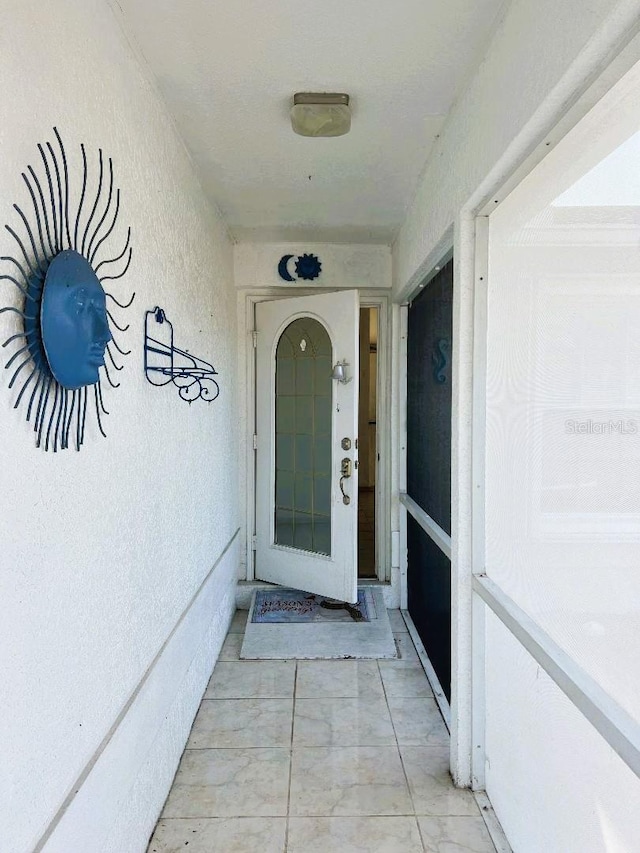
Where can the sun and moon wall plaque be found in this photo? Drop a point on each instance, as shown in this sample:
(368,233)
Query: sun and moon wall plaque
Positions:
(306,267)
(63,255)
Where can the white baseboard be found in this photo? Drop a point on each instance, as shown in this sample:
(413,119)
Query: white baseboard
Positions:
(492,823)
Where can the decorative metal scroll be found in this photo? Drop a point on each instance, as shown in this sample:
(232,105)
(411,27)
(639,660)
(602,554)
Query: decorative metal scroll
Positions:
(64,330)
(165,363)
(440,360)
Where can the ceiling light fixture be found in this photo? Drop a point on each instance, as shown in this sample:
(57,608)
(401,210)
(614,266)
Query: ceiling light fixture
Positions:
(320,114)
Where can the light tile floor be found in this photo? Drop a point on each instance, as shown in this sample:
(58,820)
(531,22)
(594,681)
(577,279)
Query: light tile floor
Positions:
(318,757)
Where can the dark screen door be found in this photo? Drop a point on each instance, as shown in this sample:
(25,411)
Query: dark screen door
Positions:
(429,344)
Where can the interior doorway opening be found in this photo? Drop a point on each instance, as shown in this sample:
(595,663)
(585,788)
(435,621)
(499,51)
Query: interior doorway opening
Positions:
(367,442)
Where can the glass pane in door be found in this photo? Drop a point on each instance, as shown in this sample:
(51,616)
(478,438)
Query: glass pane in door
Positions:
(303,437)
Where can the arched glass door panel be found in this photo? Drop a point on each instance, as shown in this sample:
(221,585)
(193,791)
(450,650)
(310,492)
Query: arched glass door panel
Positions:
(303,437)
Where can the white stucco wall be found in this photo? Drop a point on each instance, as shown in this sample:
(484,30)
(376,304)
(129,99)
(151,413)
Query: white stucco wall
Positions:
(102,660)
(541,58)
(343,266)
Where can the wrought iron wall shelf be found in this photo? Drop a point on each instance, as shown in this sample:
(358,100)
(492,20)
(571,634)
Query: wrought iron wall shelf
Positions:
(165,363)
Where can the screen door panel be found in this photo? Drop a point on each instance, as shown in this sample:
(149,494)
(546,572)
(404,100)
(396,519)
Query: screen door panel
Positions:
(429,354)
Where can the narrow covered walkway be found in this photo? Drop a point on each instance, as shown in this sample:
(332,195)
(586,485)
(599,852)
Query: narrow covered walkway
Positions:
(318,756)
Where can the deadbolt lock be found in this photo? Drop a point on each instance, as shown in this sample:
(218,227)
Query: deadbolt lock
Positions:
(346,444)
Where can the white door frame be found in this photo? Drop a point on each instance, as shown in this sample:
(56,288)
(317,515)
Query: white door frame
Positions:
(369,298)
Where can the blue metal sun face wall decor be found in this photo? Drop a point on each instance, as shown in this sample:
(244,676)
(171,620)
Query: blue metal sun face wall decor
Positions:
(73,321)
(307,268)
(65,330)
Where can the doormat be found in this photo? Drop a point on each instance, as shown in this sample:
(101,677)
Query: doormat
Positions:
(293,605)
(333,635)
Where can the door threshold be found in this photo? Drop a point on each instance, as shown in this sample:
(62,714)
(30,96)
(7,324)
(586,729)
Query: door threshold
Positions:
(245,589)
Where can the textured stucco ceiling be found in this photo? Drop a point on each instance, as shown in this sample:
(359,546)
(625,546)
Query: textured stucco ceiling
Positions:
(227,70)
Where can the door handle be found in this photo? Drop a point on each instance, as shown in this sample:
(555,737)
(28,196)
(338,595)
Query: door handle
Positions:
(345,473)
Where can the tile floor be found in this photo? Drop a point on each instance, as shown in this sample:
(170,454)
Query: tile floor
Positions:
(317,757)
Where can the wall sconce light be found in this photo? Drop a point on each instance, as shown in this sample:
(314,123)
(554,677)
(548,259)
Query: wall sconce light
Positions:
(320,114)
(340,372)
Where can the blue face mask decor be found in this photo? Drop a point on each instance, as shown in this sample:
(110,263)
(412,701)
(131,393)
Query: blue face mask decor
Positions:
(73,321)
(65,329)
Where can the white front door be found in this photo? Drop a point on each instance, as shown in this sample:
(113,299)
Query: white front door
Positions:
(307,429)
